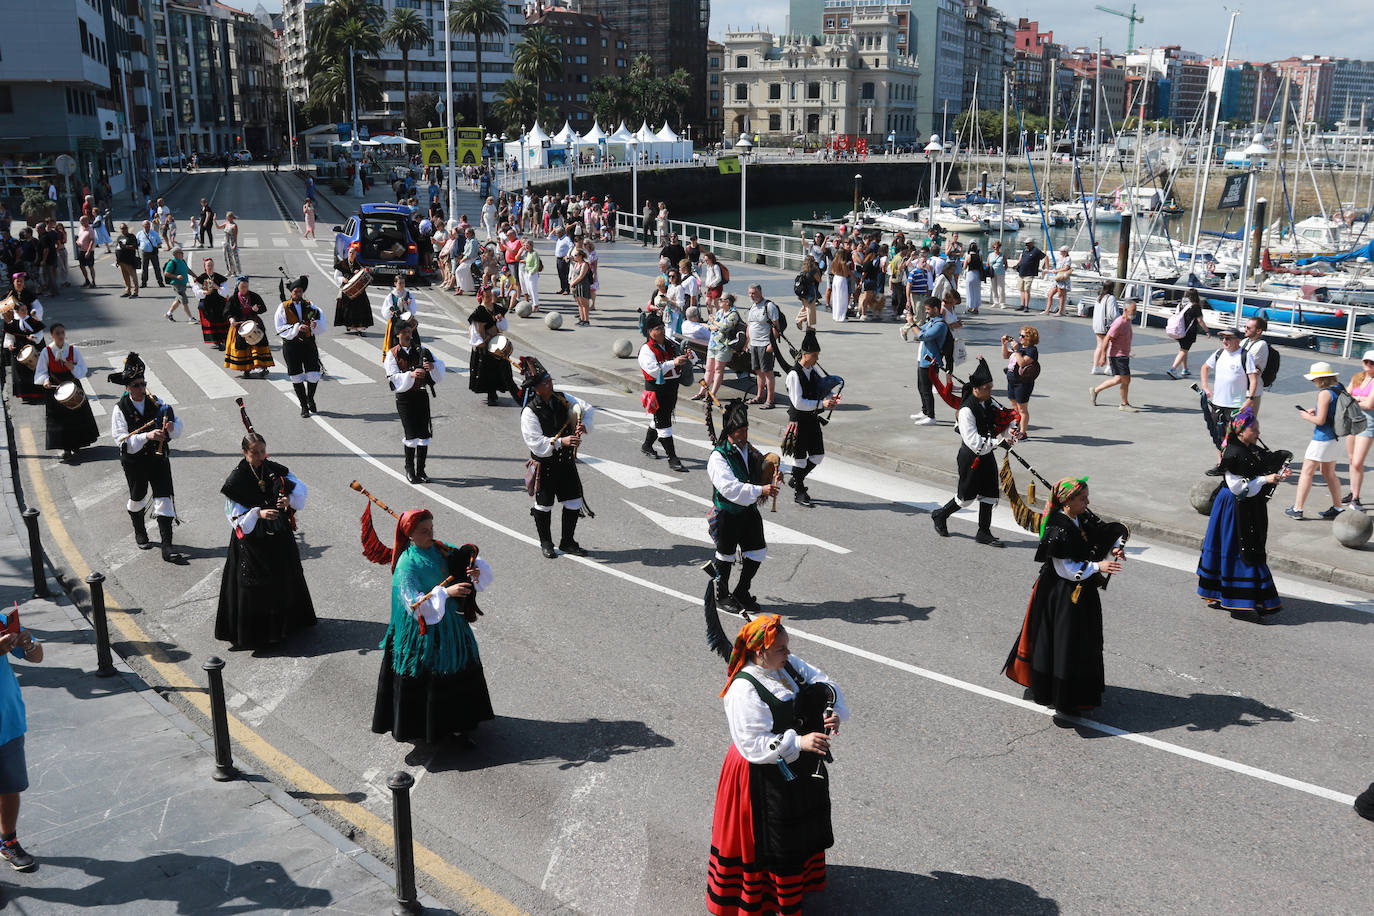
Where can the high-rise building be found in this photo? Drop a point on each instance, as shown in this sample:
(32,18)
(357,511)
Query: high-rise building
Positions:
(293,48)
(989,40)
(592,48)
(673,34)
(1312,78)
(1352,85)
(715,89)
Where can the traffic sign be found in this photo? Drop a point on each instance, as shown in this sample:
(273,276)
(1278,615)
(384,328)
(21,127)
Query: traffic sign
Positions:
(356,148)
(66,165)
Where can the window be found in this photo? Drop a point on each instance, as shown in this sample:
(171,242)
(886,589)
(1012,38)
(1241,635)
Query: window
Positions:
(775,122)
(714,63)
(866,92)
(715,79)
(741,92)
(741,60)
(774,92)
(792,92)
(813,90)
(835,90)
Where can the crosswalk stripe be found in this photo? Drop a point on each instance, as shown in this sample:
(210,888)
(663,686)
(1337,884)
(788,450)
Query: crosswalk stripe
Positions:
(372,352)
(92,398)
(340,371)
(451,363)
(280,243)
(155,385)
(210,377)
(249,241)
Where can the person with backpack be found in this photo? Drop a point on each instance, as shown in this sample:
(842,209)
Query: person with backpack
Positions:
(765,324)
(1325,448)
(806,287)
(1183,326)
(1266,357)
(1233,378)
(727,326)
(1357,444)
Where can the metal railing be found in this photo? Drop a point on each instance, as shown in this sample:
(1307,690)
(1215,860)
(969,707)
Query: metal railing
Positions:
(762,248)
(508,180)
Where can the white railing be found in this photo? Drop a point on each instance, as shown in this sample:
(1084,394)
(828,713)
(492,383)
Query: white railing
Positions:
(764,248)
(508,180)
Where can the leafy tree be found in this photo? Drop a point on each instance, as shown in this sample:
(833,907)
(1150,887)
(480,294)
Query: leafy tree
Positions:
(480,19)
(331,88)
(336,30)
(421,111)
(538,58)
(405,29)
(516,105)
(640,96)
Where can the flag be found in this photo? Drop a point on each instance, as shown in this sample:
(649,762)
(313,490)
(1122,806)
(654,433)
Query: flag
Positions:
(728,165)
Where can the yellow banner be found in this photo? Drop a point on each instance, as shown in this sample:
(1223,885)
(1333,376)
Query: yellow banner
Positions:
(467,145)
(433,146)
(728,165)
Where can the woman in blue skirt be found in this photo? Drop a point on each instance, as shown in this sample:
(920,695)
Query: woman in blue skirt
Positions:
(1232,573)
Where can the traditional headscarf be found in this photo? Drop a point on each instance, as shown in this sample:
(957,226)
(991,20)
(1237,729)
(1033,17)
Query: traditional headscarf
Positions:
(354,246)
(755,636)
(1244,418)
(19,275)
(1063,491)
(405,525)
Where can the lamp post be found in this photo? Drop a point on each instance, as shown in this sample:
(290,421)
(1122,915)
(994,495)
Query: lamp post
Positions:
(572,148)
(744,146)
(933,149)
(1252,154)
(634,185)
(356,189)
(858,179)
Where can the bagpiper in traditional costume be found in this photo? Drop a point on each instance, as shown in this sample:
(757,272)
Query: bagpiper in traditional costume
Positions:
(661,361)
(552,424)
(412,371)
(804,442)
(299,325)
(977,469)
(142,426)
(734,521)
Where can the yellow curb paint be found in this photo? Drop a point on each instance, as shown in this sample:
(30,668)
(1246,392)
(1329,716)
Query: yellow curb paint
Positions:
(454,879)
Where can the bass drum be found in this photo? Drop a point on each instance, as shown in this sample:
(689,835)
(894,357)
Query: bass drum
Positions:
(69,395)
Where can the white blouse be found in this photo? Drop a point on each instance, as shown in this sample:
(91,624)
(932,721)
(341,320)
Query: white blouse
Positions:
(751,721)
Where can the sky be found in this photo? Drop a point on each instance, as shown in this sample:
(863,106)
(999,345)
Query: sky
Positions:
(1265,29)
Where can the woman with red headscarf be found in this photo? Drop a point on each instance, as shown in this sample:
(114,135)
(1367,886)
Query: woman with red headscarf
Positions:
(352,313)
(431,684)
(772,819)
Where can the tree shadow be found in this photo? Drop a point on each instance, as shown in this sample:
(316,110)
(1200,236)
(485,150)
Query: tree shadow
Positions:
(509,740)
(1144,711)
(940,892)
(874,609)
(196,884)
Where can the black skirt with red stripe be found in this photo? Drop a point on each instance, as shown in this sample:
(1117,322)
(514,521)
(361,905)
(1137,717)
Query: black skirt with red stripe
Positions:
(768,837)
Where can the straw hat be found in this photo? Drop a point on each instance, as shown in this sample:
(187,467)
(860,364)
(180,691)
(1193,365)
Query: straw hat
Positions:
(1320,370)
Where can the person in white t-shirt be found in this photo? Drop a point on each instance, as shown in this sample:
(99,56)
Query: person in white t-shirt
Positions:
(1229,377)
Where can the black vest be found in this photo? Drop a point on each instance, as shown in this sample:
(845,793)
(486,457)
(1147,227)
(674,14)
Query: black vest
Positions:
(552,416)
(134,420)
(810,383)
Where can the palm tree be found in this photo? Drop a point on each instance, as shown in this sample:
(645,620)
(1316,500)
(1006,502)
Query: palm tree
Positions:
(337,30)
(331,87)
(405,30)
(480,19)
(538,57)
(516,104)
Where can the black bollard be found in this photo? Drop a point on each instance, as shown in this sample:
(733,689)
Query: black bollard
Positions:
(40,580)
(406,902)
(104,663)
(219,719)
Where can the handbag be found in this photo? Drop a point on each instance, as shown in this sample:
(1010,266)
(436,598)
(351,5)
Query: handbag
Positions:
(531,476)
(960,352)
(1029,372)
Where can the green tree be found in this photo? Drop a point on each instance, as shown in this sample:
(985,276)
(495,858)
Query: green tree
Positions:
(337,30)
(640,96)
(405,29)
(480,19)
(331,87)
(538,58)
(516,105)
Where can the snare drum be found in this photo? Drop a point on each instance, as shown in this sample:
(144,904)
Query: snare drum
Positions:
(500,346)
(250,332)
(70,395)
(28,355)
(354,285)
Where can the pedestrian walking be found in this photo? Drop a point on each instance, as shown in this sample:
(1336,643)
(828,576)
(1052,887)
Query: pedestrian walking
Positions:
(1229,378)
(1105,311)
(207,224)
(1183,326)
(308,210)
(15,642)
(177,273)
(1357,445)
(230,228)
(1119,358)
(126,258)
(85,252)
(149,241)
(1325,448)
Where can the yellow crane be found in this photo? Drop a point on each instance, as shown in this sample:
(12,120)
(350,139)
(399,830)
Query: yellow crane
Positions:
(1130,17)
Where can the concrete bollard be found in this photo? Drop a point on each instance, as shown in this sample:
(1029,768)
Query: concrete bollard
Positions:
(40,579)
(104,662)
(1352,528)
(219,720)
(623,348)
(403,839)
(1202,493)
(553,321)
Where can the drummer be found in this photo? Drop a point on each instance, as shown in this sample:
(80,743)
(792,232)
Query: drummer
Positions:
(22,290)
(70,422)
(24,335)
(352,312)
(489,372)
(246,348)
(299,325)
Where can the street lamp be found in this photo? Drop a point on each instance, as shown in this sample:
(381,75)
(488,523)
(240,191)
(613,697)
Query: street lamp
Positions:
(634,186)
(857,180)
(356,190)
(448,122)
(744,146)
(933,150)
(572,148)
(1252,154)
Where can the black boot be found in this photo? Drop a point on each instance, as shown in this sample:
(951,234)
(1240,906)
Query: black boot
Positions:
(941,515)
(164,527)
(140,530)
(670,449)
(724,600)
(798,482)
(299,388)
(985,535)
(421,453)
(648,447)
(566,542)
(410,464)
(747,601)
(491,399)
(310,395)
(543,523)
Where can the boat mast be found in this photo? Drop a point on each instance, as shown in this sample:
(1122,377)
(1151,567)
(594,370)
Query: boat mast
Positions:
(1049,145)
(1279,160)
(1002,195)
(1212,133)
(1097,135)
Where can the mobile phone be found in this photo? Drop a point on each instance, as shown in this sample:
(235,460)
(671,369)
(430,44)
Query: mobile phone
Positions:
(1299,407)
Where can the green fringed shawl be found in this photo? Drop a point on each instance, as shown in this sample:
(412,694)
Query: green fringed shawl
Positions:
(449,646)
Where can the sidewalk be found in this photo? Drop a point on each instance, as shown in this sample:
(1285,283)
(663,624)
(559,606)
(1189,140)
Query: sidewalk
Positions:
(1141,465)
(121,813)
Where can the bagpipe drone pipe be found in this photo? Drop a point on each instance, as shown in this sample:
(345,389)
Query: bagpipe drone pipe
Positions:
(280,485)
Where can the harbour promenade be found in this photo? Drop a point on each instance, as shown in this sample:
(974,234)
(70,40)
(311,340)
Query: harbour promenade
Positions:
(1141,465)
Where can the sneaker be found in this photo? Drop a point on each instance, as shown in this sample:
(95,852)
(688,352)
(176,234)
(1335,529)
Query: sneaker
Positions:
(1331,513)
(1293,512)
(1092,393)
(1170,372)
(1186,373)
(924,420)
(1129,408)
(15,855)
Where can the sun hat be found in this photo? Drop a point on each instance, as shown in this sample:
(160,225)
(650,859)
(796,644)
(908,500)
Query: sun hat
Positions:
(1320,370)
(1368,357)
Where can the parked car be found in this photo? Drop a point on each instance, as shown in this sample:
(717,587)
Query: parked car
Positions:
(243,155)
(388,246)
(178,159)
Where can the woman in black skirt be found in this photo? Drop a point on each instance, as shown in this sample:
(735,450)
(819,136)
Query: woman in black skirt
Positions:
(68,428)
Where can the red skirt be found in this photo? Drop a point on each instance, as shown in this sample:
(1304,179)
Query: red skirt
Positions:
(736,883)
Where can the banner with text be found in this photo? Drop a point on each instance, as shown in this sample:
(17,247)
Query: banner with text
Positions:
(467,145)
(433,146)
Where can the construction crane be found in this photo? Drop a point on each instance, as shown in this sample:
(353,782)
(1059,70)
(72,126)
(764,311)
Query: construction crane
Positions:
(1132,18)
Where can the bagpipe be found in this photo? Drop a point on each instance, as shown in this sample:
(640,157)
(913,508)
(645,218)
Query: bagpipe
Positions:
(1003,418)
(829,386)
(814,703)
(766,468)
(459,560)
(280,486)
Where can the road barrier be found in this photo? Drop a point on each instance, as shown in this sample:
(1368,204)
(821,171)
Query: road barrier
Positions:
(403,839)
(104,662)
(40,579)
(219,719)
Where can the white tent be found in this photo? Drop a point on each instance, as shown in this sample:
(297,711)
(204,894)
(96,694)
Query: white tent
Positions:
(566,135)
(393,140)
(621,135)
(666,133)
(536,136)
(594,136)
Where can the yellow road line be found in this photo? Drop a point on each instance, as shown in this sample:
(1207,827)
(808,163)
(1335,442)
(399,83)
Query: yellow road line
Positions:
(454,879)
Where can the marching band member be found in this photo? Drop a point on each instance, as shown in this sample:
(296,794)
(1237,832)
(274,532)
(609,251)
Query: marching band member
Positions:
(68,428)
(412,371)
(488,373)
(245,305)
(661,361)
(22,291)
(263,597)
(734,521)
(431,683)
(212,288)
(771,826)
(23,329)
(1058,654)
(977,468)
(552,430)
(352,313)
(399,306)
(804,394)
(299,325)
(141,426)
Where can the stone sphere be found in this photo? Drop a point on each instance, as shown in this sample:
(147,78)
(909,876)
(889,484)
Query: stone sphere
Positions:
(524,310)
(1201,494)
(1352,528)
(623,348)
(553,321)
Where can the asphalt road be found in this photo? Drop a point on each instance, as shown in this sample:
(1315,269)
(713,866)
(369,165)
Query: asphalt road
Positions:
(1215,779)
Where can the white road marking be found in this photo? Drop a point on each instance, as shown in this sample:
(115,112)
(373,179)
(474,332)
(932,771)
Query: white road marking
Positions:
(155,386)
(368,350)
(249,241)
(207,374)
(452,363)
(339,370)
(279,242)
(101,490)
(985,692)
(92,398)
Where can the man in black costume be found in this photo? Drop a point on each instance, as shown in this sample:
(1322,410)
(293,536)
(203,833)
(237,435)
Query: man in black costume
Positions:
(412,371)
(141,426)
(977,468)
(552,424)
(661,361)
(804,442)
(299,325)
(734,521)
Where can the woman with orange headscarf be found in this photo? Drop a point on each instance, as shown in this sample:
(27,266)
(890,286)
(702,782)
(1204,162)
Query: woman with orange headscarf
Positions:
(772,819)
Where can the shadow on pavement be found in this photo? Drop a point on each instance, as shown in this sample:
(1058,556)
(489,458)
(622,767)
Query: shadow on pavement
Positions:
(1297,611)
(940,892)
(199,884)
(509,740)
(329,636)
(1143,711)
(876,609)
